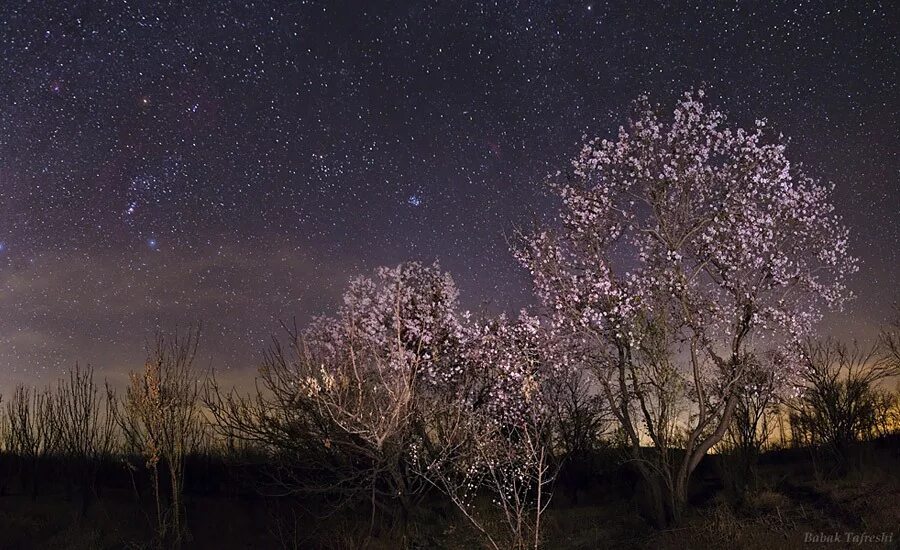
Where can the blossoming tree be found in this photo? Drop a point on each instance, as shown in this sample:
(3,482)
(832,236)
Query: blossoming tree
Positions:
(501,444)
(399,390)
(348,396)
(682,243)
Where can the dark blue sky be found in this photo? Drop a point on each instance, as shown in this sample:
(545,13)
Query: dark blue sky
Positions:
(235,162)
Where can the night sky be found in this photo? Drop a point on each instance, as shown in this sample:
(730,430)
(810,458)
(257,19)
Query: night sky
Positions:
(236,163)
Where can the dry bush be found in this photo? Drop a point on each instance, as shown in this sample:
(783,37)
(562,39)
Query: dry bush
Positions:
(83,422)
(754,422)
(886,412)
(580,417)
(161,415)
(82,417)
(839,403)
(28,429)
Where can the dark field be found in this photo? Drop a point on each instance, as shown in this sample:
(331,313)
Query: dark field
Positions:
(596,505)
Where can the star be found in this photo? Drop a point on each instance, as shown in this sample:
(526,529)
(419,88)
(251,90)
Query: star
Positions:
(255,144)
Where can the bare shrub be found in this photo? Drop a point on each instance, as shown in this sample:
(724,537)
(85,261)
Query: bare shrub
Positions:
(161,415)
(580,416)
(84,425)
(29,430)
(754,421)
(886,412)
(837,406)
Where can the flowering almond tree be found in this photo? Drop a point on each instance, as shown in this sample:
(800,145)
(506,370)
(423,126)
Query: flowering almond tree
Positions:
(501,442)
(681,241)
(345,401)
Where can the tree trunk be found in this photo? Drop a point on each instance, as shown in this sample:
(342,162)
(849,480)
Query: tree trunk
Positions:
(652,499)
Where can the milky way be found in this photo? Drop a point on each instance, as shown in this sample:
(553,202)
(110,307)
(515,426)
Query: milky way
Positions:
(235,163)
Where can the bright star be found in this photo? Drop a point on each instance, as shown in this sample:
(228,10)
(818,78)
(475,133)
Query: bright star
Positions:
(414,200)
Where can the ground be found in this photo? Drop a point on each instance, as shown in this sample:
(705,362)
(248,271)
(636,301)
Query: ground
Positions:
(793,499)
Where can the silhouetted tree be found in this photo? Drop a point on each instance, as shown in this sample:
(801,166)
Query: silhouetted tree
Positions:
(837,405)
(30,432)
(84,424)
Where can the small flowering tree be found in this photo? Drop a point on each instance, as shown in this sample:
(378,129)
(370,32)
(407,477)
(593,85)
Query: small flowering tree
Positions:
(345,402)
(681,241)
(501,442)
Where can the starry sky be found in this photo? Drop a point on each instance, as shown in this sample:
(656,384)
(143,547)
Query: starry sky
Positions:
(164,163)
